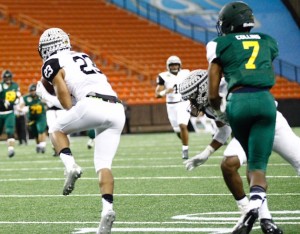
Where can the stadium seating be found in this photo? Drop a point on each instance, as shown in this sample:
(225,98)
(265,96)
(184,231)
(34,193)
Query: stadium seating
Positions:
(130,50)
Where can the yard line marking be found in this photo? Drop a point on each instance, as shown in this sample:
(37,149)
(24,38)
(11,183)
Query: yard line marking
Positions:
(160,230)
(140,178)
(136,195)
(116,167)
(118,158)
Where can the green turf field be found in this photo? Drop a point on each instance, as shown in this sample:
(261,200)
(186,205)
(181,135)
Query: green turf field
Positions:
(153,191)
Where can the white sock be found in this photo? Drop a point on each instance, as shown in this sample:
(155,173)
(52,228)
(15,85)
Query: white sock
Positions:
(68,160)
(185,147)
(42,144)
(10,148)
(243,204)
(106,206)
(264,212)
(257,202)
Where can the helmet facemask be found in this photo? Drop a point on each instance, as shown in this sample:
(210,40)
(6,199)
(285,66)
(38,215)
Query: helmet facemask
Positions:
(53,40)
(199,99)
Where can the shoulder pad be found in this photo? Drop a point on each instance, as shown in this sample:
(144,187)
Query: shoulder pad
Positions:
(163,75)
(50,68)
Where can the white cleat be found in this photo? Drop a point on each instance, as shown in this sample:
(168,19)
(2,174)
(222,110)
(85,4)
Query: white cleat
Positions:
(11,153)
(106,223)
(71,177)
(185,154)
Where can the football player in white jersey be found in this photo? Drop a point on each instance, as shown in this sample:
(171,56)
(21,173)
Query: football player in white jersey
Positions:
(95,105)
(286,144)
(167,85)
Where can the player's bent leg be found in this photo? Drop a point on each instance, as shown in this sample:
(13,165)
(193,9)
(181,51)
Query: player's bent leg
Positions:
(233,180)
(72,171)
(103,158)
(185,140)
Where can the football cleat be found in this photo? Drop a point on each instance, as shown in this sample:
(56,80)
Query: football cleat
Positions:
(38,149)
(11,153)
(246,225)
(185,154)
(106,223)
(269,227)
(71,177)
(42,150)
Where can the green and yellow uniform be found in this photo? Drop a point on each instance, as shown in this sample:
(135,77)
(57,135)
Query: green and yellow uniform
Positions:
(36,114)
(9,96)
(246,61)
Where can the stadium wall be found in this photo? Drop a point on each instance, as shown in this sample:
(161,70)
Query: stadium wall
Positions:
(153,118)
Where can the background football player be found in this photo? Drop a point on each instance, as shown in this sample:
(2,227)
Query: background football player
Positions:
(167,85)
(9,96)
(36,118)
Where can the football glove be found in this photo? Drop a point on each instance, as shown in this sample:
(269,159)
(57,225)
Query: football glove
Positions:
(199,159)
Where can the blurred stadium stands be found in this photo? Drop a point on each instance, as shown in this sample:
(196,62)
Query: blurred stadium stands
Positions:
(196,19)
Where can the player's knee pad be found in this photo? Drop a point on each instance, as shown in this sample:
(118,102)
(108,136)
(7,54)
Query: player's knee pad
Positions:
(222,134)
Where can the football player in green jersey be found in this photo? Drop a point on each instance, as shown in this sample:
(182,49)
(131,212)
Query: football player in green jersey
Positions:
(9,96)
(36,118)
(245,60)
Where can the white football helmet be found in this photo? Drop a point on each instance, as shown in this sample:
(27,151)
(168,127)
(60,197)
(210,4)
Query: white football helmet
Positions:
(173,60)
(53,40)
(195,88)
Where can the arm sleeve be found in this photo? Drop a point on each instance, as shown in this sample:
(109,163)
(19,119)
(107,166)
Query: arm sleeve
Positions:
(211,51)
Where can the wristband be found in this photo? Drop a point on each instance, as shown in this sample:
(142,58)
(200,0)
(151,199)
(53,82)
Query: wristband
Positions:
(210,149)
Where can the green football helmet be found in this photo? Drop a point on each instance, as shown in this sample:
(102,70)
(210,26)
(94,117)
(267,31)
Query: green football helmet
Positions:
(235,17)
(32,87)
(7,76)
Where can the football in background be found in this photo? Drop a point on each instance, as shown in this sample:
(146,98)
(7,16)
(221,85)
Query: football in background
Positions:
(49,87)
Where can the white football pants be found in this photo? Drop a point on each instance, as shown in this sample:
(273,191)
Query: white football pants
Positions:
(106,118)
(178,114)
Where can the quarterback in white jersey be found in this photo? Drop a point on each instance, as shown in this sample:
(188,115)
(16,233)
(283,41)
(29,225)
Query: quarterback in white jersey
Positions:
(91,103)
(167,85)
(286,143)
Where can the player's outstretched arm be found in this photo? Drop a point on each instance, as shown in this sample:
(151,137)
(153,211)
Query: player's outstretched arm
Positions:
(219,139)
